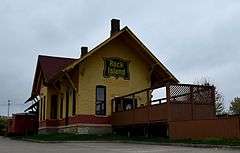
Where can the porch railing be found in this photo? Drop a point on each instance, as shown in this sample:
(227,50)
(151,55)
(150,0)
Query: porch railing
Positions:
(181,102)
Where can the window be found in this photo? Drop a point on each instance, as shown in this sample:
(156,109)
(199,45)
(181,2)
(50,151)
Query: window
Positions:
(125,104)
(44,101)
(61,108)
(40,111)
(116,67)
(73,102)
(67,104)
(100,100)
(54,99)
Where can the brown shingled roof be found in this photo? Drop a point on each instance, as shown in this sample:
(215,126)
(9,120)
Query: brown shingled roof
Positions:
(51,65)
(48,67)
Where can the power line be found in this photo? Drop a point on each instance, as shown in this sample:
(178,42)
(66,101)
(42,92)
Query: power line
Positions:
(13,104)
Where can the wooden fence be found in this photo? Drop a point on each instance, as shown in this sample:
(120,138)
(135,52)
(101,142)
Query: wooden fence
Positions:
(206,128)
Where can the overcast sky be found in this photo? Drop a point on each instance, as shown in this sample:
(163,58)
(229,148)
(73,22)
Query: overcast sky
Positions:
(193,39)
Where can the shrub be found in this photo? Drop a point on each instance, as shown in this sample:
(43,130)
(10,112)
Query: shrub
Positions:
(3,125)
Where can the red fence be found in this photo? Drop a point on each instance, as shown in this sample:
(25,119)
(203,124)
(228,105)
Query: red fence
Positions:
(22,124)
(209,128)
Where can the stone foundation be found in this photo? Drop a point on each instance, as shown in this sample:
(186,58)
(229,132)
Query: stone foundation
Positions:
(78,129)
(47,130)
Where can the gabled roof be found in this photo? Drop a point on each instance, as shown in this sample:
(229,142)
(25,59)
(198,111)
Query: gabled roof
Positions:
(48,67)
(128,33)
(51,65)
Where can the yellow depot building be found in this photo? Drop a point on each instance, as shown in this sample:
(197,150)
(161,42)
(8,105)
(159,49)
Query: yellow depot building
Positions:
(76,94)
(120,87)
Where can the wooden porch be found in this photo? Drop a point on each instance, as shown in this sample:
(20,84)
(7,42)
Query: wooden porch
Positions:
(182,102)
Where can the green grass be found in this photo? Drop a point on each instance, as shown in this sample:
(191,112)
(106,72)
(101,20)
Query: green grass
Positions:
(74,137)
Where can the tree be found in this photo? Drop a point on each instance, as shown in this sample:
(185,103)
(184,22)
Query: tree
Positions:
(235,106)
(219,103)
(3,125)
(219,99)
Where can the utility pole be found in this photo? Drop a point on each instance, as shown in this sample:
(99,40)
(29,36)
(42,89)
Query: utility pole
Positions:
(8,107)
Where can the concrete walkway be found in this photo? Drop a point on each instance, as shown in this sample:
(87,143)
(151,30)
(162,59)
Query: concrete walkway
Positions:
(13,146)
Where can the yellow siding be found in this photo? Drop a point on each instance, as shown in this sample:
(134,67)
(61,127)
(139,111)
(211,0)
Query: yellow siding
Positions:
(91,74)
(51,92)
(43,92)
(70,104)
(62,92)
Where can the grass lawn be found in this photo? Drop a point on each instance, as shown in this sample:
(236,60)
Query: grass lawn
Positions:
(74,137)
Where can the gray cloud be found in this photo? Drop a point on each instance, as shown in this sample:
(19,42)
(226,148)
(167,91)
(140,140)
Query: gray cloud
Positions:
(194,39)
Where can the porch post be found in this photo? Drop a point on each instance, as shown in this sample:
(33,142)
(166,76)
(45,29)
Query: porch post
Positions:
(168,94)
(133,98)
(148,105)
(191,101)
(112,101)
(213,100)
(149,114)
(134,107)
(148,98)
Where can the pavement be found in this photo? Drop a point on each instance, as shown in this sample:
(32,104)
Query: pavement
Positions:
(17,146)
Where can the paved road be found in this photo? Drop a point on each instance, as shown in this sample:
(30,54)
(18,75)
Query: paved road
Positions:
(13,146)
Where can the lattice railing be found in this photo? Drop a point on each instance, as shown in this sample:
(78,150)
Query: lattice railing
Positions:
(183,93)
(175,93)
(179,93)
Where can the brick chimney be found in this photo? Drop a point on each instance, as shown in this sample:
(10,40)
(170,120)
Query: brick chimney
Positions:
(115,26)
(84,51)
